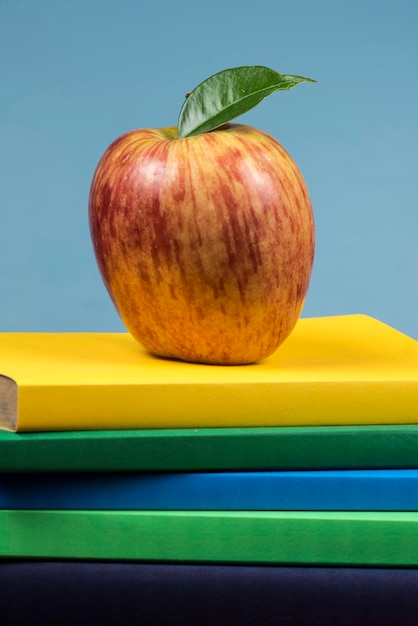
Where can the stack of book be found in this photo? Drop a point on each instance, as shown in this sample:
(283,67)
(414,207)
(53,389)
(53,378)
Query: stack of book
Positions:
(140,490)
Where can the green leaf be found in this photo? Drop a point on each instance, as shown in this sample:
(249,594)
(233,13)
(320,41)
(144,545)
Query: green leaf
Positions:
(228,94)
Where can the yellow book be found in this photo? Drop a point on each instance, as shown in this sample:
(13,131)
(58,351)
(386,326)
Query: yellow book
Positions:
(348,369)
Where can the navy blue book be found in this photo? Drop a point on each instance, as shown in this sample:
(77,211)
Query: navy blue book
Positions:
(82,594)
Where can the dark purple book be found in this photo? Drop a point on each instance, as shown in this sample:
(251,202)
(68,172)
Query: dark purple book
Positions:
(81,594)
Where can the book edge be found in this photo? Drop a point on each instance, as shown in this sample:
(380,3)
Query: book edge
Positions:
(8,403)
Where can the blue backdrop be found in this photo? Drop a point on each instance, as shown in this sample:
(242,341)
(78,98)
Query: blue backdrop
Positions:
(75,75)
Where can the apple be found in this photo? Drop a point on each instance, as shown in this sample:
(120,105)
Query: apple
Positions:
(205,243)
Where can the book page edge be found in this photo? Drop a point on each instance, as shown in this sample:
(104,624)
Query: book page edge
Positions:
(8,403)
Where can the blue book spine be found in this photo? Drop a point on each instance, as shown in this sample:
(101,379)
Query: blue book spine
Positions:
(345,490)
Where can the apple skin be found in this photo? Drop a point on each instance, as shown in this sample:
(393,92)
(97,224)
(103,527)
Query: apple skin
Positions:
(205,244)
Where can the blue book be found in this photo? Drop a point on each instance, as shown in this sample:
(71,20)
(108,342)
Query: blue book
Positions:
(342,490)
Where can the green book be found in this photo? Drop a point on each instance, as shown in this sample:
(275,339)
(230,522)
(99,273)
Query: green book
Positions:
(280,537)
(299,447)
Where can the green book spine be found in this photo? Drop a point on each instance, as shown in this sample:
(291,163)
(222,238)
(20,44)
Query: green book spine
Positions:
(317,538)
(311,447)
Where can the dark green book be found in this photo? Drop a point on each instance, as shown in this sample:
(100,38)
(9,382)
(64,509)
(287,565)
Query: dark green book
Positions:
(277,537)
(299,447)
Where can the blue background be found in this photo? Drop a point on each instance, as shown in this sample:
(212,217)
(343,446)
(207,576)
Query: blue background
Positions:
(76,74)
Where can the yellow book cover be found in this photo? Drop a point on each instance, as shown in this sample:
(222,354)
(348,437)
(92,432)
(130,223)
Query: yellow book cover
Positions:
(348,369)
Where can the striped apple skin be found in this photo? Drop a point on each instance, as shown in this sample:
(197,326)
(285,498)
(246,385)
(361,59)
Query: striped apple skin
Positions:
(205,244)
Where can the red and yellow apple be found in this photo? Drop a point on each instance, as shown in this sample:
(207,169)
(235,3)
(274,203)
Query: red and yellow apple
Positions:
(205,243)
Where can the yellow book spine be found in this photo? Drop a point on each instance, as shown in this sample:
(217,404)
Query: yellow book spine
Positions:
(107,407)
